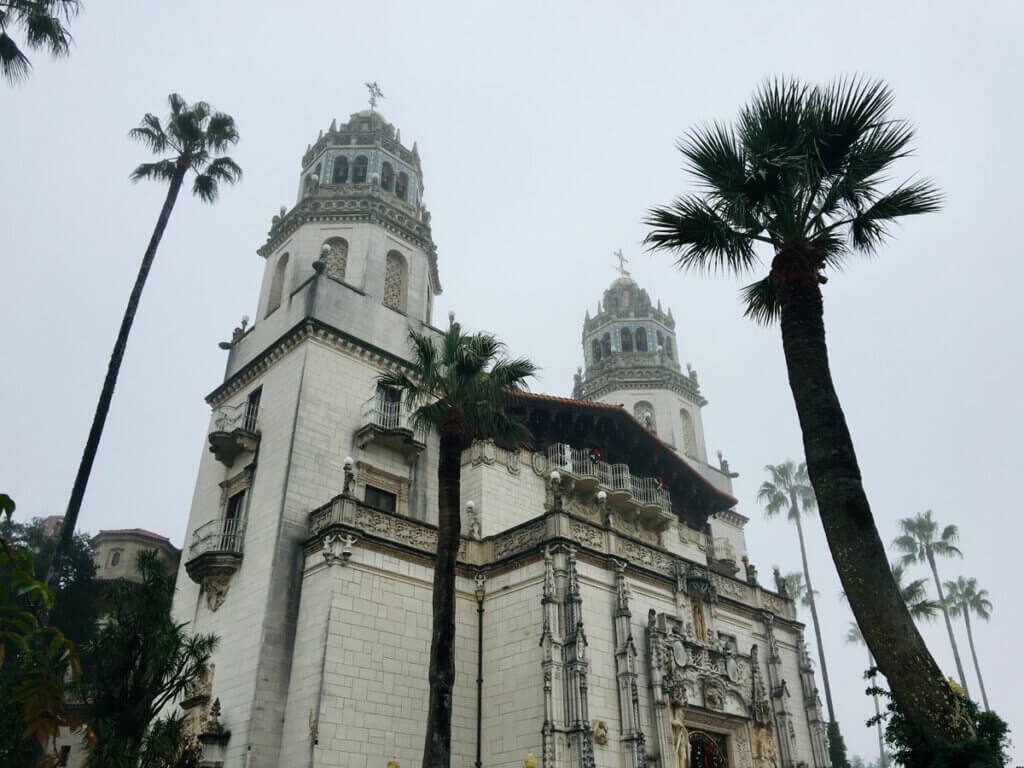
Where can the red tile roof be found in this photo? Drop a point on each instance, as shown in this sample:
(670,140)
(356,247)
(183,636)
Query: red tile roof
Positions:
(136,532)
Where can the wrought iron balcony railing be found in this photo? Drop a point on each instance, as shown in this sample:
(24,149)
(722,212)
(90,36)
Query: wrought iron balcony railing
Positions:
(585,462)
(223,535)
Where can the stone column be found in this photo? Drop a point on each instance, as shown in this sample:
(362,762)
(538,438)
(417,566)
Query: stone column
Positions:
(779,691)
(659,697)
(551,662)
(812,709)
(576,666)
(633,742)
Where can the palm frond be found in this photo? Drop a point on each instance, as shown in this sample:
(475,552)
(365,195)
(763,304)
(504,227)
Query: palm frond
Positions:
(221,132)
(150,133)
(14,64)
(700,237)
(224,169)
(762,301)
(205,188)
(162,170)
(871,226)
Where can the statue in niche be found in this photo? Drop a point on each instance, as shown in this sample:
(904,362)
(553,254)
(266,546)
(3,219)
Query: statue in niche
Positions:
(530,761)
(680,736)
(600,732)
(765,752)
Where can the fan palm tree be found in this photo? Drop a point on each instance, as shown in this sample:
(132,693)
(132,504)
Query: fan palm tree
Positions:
(915,595)
(796,589)
(964,598)
(458,387)
(194,134)
(804,175)
(920,545)
(44,24)
(790,489)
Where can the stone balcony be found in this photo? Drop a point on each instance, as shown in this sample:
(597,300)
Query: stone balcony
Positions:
(235,431)
(214,555)
(389,423)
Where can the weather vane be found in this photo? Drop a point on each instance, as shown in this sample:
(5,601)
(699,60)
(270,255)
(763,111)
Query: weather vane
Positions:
(622,262)
(375,94)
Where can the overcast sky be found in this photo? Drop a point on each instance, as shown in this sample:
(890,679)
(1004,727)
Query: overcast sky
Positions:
(545,130)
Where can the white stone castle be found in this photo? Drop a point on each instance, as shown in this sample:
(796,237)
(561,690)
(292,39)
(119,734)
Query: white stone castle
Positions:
(607,614)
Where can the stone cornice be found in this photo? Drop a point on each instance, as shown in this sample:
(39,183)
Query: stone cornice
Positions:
(732,517)
(617,378)
(603,544)
(357,203)
(308,328)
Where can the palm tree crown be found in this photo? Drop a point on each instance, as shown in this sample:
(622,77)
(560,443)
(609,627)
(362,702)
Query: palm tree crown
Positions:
(787,480)
(963,596)
(919,539)
(464,372)
(801,165)
(194,133)
(797,590)
(44,23)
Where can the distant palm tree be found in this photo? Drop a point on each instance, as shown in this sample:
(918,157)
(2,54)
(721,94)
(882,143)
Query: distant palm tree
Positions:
(796,588)
(44,27)
(457,387)
(920,545)
(790,489)
(193,135)
(965,598)
(804,177)
(915,595)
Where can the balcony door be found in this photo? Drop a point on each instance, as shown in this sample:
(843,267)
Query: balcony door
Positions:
(387,406)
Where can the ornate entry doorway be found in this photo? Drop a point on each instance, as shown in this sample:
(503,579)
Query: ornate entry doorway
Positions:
(707,750)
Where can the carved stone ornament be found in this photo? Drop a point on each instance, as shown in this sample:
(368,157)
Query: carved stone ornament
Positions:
(337,548)
(215,587)
(600,728)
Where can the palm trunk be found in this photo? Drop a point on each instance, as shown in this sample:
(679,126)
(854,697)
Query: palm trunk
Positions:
(878,719)
(92,444)
(977,669)
(441,673)
(949,624)
(814,615)
(916,681)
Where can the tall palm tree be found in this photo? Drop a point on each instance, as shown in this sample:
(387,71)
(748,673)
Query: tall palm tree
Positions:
(965,598)
(790,489)
(920,545)
(44,26)
(458,387)
(915,595)
(194,134)
(804,174)
(797,590)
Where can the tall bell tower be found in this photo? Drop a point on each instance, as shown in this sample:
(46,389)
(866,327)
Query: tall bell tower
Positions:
(349,269)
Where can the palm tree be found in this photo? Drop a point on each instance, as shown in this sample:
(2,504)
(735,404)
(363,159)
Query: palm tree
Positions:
(458,387)
(193,135)
(920,545)
(789,489)
(801,174)
(43,22)
(965,598)
(915,595)
(796,589)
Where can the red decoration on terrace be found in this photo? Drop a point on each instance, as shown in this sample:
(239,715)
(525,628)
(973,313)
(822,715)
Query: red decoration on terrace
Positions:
(595,454)
(661,484)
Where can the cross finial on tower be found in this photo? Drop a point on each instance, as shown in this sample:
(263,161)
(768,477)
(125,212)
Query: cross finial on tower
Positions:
(375,94)
(622,262)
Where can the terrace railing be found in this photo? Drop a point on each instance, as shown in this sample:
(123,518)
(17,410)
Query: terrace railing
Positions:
(223,535)
(584,462)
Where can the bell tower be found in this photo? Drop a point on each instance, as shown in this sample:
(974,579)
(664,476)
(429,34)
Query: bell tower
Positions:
(631,359)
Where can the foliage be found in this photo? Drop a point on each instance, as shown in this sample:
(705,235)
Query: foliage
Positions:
(464,372)
(796,588)
(168,745)
(919,539)
(34,656)
(836,747)
(787,480)
(44,25)
(139,661)
(987,749)
(963,596)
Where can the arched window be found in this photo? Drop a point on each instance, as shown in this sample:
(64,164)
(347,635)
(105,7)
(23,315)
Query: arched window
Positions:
(689,434)
(641,339)
(277,284)
(340,175)
(387,176)
(626,338)
(396,281)
(359,170)
(643,412)
(115,558)
(606,344)
(335,257)
(402,185)
(595,350)
(661,342)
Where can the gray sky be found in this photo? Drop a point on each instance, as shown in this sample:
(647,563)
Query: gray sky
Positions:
(546,131)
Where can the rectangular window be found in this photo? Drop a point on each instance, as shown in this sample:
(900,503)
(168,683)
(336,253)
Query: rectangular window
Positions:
(252,409)
(380,499)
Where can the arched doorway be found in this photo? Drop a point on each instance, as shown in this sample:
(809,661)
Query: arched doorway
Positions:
(707,750)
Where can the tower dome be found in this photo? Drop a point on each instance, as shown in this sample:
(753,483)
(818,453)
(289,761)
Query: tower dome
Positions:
(631,358)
